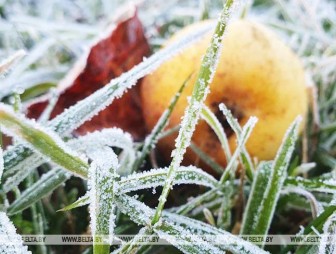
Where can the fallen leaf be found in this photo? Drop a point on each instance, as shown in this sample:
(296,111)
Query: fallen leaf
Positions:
(123,46)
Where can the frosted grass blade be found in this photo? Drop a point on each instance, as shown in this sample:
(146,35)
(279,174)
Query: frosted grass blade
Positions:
(183,232)
(194,108)
(82,201)
(319,185)
(153,137)
(206,159)
(43,141)
(85,144)
(157,177)
(44,186)
(244,155)
(215,125)
(263,216)
(101,180)
(328,240)
(255,198)
(8,233)
(50,181)
(9,61)
(245,134)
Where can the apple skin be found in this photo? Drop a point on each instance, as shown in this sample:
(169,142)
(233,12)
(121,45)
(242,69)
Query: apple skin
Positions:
(257,75)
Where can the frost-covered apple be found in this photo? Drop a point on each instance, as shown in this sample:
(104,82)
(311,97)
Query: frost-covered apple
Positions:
(257,75)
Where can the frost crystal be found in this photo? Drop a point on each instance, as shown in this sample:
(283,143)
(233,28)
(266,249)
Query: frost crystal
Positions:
(102,174)
(10,241)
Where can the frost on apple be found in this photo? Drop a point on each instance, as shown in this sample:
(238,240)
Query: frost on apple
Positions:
(10,241)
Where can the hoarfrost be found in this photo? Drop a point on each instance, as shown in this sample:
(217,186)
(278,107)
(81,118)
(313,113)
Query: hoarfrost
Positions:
(328,239)
(10,241)
(102,174)
(157,177)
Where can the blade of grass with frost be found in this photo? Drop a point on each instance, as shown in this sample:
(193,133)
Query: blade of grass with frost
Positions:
(50,181)
(157,177)
(44,186)
(9,61)
(82,201)
(153,137)
(84,110)
(255,197)
(315,207)
(224,216)
(185,233)
(38,51)
(244,135)
(328,240)
(108,137)
(101,181)
(41,140)
(215,125)
(197,201)
(319,185)
(206,158)
(133,246)
(263,217)
(244,156)
(11,242)
(194,108)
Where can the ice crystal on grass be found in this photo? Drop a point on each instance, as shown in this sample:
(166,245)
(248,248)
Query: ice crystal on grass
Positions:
(47,183)
(157,177)
(187,234)
(42,140)
(102,175)
(10,241)
(265,212)
(9,61)
(328,239)
(316,207)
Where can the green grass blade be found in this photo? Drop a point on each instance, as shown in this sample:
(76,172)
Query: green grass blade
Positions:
(215,125)
(101,180)
(193,110)
(108,137)
(41,140)
(153,137)
(185,230)
(206,159)
(44,186)
(320,185)
(244,155)
(263,216)
(84,200)
(157,177)
(255,198)
(245,134)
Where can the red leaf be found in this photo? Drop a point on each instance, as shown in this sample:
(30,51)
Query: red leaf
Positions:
(124,46)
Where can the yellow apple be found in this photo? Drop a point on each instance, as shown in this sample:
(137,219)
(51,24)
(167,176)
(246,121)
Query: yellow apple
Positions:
(257,75)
